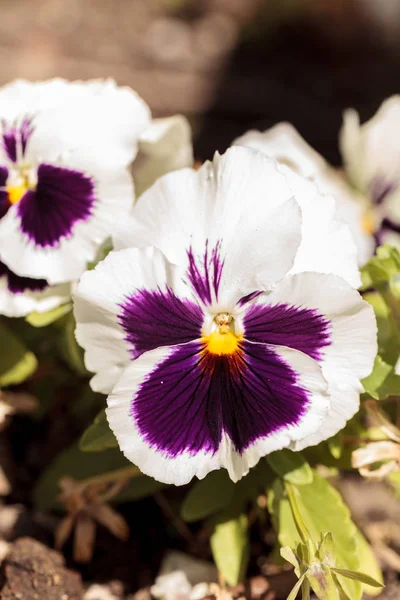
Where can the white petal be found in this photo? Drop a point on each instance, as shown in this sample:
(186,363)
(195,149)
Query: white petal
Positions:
(166,145)
(285,144)
(97,305)
(240,200)
(372,151)
(180,469)
(350,356)
(327,244)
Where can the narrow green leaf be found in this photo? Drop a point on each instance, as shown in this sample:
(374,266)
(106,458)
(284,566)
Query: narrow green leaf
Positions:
(37,319)
(287,553)
(17,363)
(98,436)
(292,466)
(368,563)
(296,589)
(357,576)
(230,547)
(208,496)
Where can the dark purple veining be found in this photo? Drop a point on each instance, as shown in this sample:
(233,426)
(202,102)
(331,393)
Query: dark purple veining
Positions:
(63,198)
(204,272)
(4,202)
(19,285)
(380,189)
(302,329)
(15,138)
(191,398)
(249,298)
(154,318)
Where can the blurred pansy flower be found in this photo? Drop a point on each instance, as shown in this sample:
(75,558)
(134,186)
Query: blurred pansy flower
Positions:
(285,144)
(371,155)
(66,150)
(234,329)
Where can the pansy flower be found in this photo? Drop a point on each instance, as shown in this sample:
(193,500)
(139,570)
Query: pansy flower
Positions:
(371,154)
(234,329)
(64,156)
(284,143)
(66,150)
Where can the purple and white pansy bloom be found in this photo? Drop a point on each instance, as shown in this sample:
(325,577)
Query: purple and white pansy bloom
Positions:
(65,153)
(371,155)
(284,143)
(233,328)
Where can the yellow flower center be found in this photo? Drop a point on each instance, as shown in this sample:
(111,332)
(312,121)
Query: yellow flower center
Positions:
(223,340)
(368,224)
(15,192)
(222,343)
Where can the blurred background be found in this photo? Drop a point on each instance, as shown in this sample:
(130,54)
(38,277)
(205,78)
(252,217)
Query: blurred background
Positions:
(227,64)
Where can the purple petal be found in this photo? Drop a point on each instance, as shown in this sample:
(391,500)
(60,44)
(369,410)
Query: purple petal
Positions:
(13,135)
(18,285)
(63,197)
(157,318)
(4,202)
(302,329)
(204,273)
(193,397)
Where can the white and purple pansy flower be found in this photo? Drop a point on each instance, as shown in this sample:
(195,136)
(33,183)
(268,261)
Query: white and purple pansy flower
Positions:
(284,143)
(235,329)
(371,154)
(65,153)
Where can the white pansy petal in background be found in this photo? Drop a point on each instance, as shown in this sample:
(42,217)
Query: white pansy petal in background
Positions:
(126,282)
(327,244)
(352,347)
(164,146)
(283,143)
(160,415)
(233,204)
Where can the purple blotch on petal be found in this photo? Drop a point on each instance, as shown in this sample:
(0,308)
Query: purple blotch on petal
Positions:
(4,202)
(299,328)
(19,285)
(192,397)
(205,273)
(63,197)
(154,318)
(14,135)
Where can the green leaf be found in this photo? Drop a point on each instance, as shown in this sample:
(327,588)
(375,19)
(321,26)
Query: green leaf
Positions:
(208,496)
(287,553)
(357,576)
(322,510)
(37,319)
(388,332)
(296,589)
(292,466)
(335,445)
(380,268)
(98,436)
(374,382)
(77,464)
(16,362)
(368,563)
(230,547)
(70,351)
